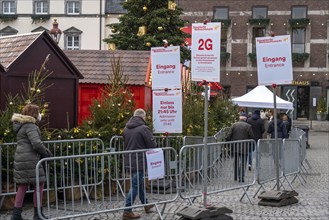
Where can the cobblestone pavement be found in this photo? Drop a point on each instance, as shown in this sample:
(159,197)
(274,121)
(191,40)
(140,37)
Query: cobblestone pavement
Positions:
(313,197)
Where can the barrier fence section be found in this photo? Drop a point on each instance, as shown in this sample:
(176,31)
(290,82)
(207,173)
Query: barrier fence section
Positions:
(290,160)
(266,164)
(117,142)
(220,136)
(297,133)
(226,168)
(98,183)
(57,147)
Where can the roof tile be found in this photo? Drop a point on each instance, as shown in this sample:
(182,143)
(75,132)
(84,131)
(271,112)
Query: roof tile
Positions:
(95,65)
(13,46)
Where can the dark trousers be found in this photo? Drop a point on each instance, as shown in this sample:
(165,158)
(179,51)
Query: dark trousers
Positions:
(240,161)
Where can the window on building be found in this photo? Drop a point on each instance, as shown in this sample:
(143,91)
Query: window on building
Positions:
(298,12)
(73,42)
(72,39)
(298,40)
(73,7)
(221,13)
(259,12)
(257,32)
(9,7)
(41,7)
(226,91)
(223,40)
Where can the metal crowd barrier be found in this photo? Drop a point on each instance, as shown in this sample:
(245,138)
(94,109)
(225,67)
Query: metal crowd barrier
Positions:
(59,148)
(117,142)
(99,179)
(227,161)
(220,136)
(298,133)
(290,160)
(266,163)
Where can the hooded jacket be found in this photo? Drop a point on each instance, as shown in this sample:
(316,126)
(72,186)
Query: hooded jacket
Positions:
(281,129)
(257,126)
(29,150)
(137,135)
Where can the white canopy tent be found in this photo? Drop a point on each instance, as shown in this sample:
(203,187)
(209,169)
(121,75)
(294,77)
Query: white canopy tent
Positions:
(261,97)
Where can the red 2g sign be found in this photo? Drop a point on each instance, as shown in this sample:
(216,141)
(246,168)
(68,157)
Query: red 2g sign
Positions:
(205,44)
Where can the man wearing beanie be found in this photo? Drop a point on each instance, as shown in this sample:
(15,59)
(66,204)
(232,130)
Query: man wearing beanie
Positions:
(258,129)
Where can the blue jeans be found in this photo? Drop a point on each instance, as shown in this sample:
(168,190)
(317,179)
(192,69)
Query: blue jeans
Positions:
(137,187)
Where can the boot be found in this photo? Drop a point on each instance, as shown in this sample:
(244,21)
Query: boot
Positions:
(36,216)
(17,214)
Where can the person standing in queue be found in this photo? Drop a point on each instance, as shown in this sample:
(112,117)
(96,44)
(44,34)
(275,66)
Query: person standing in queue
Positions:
(29,151)
(240,130)
(258,129)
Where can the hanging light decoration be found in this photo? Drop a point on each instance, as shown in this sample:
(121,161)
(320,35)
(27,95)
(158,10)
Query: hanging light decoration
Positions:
(141,31)
(172,5)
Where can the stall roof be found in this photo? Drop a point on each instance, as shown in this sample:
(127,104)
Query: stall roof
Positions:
(261,97)
(96,65)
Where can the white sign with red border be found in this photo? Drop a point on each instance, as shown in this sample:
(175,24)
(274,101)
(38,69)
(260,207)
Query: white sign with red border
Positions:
(166,67)
(206,52)
(155,164)
(274,64)
(167,111)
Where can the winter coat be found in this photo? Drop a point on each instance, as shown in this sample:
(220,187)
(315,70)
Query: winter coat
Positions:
(257,126)
(137,135)
(281,128)
(29,150)
(240,130)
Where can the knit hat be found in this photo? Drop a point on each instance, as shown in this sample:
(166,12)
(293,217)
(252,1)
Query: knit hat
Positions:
(257,112)
(243,116)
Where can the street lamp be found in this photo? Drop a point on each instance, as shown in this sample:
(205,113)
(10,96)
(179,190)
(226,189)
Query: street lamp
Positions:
(55,32)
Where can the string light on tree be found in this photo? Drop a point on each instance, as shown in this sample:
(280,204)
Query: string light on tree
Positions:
(144,8)
(148,44)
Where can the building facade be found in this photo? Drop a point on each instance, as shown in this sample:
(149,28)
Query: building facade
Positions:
(306,21)
(83,22)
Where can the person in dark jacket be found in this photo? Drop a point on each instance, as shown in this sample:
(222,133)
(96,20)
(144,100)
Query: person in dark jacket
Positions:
(281,128)
(258,129)
(29,151)
(137,136)
(240,130)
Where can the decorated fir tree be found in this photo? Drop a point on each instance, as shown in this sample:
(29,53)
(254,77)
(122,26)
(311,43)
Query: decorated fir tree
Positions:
(146,24)
(112,110)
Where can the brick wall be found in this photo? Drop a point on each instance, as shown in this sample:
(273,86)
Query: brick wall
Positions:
(279,14)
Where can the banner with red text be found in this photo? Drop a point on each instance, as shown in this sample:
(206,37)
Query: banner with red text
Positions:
(166,67)
(167,111)
(206,52)
(274,64)
(155,164)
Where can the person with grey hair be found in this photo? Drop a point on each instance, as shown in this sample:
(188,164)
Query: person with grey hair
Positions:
(137,136)
(240,130)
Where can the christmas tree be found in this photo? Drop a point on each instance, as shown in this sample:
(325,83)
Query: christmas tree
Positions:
(112,110)
(147,24)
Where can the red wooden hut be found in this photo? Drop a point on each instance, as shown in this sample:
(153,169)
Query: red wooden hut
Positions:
(95,66)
